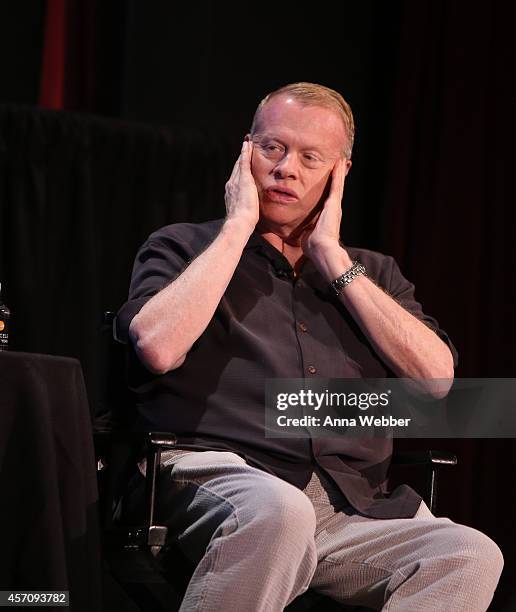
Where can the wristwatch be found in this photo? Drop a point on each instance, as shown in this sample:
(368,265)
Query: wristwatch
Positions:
(344,279)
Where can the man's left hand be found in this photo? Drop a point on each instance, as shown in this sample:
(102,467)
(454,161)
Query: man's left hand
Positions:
(324,231)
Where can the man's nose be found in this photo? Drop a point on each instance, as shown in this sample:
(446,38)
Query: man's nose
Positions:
(286,167)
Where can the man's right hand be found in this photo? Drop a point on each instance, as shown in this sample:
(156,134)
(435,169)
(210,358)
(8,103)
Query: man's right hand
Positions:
(242,202)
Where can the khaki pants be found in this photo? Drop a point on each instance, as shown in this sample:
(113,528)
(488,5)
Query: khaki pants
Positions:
(258,542)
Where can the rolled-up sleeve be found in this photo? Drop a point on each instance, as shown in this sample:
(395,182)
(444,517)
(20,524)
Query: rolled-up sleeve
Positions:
(403,291)
(158,262)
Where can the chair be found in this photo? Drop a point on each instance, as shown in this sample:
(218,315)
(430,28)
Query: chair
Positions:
(131,552)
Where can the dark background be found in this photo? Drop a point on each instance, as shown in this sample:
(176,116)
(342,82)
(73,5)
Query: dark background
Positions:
(119,117)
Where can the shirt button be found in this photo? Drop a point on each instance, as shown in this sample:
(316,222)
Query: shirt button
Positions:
(312,369)
(303,327)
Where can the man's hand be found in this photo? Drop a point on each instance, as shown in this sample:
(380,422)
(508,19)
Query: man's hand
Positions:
(323,232)
(242,201)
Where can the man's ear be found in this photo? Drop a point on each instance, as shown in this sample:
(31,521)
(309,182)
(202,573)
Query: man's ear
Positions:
(348,165)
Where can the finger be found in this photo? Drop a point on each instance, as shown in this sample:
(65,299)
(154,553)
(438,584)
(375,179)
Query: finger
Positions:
(251,151)
(245,151)
(245,156)
(337,180)
(235,172)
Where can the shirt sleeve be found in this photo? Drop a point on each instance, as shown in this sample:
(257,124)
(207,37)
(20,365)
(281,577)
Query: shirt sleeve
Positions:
(403,291)
(158,262)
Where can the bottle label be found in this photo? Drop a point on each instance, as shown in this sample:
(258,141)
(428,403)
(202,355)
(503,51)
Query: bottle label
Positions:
(4,335)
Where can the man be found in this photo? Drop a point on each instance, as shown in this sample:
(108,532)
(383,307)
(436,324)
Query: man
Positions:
(217,308)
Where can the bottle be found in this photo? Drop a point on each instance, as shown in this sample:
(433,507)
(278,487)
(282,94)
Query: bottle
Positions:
(5,314)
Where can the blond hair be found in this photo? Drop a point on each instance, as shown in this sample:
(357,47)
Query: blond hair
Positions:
(312,94)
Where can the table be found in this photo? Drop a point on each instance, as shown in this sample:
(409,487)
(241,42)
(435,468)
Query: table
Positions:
(48,504)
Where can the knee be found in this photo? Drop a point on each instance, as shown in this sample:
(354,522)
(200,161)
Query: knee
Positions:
(486,551)
(286,512)
(477,552)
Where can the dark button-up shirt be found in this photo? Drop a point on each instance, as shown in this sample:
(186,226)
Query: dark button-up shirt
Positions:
(268,324)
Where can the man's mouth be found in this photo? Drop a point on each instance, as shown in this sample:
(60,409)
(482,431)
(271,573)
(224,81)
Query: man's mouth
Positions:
(280,194)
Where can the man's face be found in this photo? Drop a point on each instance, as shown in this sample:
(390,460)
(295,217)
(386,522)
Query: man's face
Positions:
(295,149)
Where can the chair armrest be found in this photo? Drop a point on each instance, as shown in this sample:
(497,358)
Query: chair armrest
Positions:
(428,457)
(155,442)
(161,439)
(103,440)
(431,461)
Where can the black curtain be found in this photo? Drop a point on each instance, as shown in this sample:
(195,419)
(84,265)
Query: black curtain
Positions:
(449,207)
(449,220)
(78,195)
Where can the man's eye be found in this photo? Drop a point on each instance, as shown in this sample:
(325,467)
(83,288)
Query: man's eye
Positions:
(273,151)
(311,158)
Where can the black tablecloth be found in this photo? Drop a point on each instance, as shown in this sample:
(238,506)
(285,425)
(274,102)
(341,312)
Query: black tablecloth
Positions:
(48,507)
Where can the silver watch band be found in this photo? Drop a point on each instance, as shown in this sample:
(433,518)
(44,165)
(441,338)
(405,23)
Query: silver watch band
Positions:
(344,279)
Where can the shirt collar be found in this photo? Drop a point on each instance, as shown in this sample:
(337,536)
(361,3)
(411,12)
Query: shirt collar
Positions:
(255,240)
(309,272)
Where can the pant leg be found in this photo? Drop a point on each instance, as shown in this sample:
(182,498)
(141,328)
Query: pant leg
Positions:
(424,564)
(249,533)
